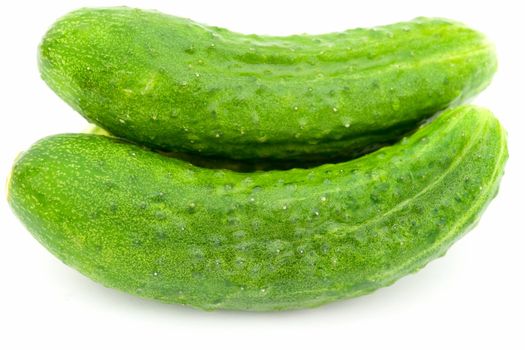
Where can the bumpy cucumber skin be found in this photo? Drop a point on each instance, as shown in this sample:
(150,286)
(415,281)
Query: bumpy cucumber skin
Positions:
(176,85)
(213,239)
(245,166)
(224,163)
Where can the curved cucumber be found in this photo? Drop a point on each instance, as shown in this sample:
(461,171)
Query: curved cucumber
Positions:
(213,239)
(176,85)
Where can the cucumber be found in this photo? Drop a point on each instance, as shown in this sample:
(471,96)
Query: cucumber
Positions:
(218,239)
(175,85)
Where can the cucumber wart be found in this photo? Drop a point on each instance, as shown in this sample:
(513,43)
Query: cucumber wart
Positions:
(218,239)
(175,85)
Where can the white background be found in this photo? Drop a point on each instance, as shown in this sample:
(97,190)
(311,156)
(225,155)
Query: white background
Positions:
(471,298)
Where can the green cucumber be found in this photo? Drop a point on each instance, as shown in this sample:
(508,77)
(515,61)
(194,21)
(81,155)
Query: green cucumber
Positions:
(218,239)
(175,85)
